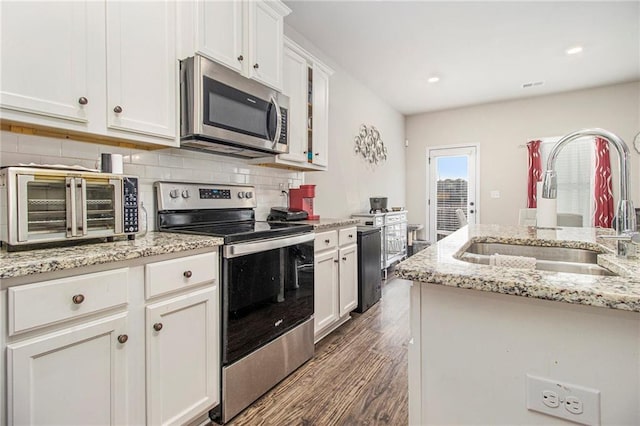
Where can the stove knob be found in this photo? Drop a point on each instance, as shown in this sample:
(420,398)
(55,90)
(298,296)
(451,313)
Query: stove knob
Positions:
(240,194)
(174,193)
(248,194)
(186,194)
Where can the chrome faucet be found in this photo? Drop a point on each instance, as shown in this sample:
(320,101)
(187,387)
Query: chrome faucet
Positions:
(625,215)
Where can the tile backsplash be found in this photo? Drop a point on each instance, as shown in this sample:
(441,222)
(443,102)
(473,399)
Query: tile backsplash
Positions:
(150,166)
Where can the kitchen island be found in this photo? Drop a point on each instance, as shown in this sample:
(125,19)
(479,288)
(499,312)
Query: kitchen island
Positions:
(479,330)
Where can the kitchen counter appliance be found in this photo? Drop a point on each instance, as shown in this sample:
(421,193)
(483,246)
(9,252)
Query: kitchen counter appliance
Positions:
(226,113)
(45,205)
(267,275)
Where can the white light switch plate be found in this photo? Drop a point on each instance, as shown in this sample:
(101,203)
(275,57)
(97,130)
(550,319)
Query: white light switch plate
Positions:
(495,194)
(567,401)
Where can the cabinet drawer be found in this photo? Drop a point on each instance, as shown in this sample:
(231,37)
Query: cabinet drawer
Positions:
(176,274)
(347,236)
(326,240)
(36,305)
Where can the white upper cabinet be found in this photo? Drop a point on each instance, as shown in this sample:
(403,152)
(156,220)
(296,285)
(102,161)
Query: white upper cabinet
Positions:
(44,58)
(219,35)
(295,87)
(246,36)
(142,67)
(71,65)
(265,35)
(320,138)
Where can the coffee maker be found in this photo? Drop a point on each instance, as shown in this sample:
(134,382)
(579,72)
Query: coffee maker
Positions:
(302,199)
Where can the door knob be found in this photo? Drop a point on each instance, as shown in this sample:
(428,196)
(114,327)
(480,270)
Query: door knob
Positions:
(256,66)
(187,274)
(117,109)
(240,58)
(83,101)
(123,338)
(157,326)
(78,299)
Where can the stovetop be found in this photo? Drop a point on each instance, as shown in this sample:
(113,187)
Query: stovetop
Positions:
(244,231)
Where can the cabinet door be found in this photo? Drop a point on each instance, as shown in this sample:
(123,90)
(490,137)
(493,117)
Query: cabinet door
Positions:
(326,289)
(142,67)
(182,357)
(295,87)
(266,40)
(44,58)
(72,377)
(348,279)
(320,137)
(219,32)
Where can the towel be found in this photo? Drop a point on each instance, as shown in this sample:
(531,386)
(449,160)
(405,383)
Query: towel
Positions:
(520,262)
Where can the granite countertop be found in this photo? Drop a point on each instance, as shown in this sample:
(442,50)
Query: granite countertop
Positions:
(323,224)
(22,263)
(438,265)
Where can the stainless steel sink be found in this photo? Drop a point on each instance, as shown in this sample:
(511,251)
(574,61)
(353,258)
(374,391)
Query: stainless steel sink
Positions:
(558,259)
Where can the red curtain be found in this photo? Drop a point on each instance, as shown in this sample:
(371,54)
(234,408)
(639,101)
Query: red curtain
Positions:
(603,211)
(535,172)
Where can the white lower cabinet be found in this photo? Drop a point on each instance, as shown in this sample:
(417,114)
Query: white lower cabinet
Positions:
(182,357)
(97,349)
(76,376)
(336,279)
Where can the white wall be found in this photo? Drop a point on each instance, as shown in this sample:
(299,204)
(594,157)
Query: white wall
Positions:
(501,128)
(151,166)
(347,186)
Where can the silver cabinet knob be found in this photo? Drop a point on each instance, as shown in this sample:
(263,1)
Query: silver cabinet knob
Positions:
(83,101)
(240,58)
(157,326)
(117,109)
(78,299)
(187,274)
(122,339)
(256,66)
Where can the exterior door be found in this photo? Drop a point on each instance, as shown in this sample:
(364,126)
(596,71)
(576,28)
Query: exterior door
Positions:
(452,190)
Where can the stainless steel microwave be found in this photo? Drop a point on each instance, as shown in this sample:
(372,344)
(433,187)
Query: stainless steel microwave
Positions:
(44,205)
(226,113)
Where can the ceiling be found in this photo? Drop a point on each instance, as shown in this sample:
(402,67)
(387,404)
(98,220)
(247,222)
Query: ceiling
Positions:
(482,51)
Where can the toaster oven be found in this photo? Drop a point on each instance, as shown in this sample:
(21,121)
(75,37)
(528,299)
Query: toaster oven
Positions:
(45,205)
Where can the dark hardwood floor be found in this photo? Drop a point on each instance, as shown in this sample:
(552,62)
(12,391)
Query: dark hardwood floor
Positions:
(358,375)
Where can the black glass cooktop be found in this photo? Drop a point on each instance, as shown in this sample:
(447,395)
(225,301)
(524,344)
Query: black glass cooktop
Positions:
(245,231)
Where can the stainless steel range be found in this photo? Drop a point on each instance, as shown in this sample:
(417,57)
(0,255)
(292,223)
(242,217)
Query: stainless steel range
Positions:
(267,286)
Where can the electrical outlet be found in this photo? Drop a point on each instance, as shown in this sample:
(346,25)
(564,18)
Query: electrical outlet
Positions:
(550,399)
(566,401)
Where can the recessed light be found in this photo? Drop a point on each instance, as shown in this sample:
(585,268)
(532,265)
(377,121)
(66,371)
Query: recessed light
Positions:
(574,50)
(433,79)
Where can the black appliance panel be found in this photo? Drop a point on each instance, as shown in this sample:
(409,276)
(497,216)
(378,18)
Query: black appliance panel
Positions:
(265,294)
(369,276)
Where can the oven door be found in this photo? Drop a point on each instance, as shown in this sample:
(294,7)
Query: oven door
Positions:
(267,289)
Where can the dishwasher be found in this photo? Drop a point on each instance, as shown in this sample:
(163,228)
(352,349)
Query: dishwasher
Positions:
(369,276)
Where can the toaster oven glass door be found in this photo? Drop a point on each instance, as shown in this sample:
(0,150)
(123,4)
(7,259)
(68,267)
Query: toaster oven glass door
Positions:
(43,209)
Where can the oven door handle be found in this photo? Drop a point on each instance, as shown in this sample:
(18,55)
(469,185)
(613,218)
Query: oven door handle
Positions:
(243,249)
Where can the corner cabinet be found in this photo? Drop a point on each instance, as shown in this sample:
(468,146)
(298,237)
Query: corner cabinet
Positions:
(76,68)
(246,36)
(336,279)
(306,83)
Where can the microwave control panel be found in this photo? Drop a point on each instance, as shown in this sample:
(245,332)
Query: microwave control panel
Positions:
(285,127)
(130,198)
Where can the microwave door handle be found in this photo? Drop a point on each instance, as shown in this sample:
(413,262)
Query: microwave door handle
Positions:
(82,205)
(278,120)
(70,184)
(117,205)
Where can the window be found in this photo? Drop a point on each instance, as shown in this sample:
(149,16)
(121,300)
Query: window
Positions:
(575,166)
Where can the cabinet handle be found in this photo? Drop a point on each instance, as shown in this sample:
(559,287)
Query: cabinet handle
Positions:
(344,258)
(240,58)
(78,299)
(336,261)
(157,326)
(117,109)
(256,66)
(123,338)
(83,101)
(187,274)
(327,241)
(317,153)
(350,235)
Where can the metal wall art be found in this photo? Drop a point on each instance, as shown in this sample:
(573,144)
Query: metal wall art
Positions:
(369,145)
